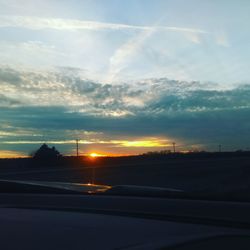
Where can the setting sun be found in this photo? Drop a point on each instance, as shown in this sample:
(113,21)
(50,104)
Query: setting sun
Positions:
(94,155)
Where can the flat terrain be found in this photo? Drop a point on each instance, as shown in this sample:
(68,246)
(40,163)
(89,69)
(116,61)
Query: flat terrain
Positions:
(196,173)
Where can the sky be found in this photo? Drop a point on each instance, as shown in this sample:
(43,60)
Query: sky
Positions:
(124,77)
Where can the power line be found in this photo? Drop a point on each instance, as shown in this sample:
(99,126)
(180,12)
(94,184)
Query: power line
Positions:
(174,147)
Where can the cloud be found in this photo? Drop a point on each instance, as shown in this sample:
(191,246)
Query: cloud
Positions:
(193,37)
(58,106)
(10,75)
(125,53)
(30,53)
(142,143)
(77,94)
(42,88)
(8,101)
(222,39)
(115,52)
(37,23)
(228,127)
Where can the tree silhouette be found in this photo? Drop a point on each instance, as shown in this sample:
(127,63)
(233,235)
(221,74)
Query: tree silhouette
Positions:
(46,153)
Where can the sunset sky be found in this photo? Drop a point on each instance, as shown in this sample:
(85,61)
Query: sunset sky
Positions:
(124,77)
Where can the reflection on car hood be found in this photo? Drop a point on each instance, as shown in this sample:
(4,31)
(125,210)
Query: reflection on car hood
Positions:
(17,186)
(50,187)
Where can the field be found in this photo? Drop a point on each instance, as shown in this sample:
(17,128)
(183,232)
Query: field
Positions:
(199,172)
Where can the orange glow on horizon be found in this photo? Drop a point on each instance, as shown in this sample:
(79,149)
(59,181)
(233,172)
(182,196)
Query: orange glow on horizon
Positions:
(94,155)
(10,154)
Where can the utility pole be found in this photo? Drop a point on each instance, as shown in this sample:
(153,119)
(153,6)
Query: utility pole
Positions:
(220,148)
(77,147)
(174,147)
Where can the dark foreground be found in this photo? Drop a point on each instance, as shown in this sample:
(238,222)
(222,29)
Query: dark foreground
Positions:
(217,173)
